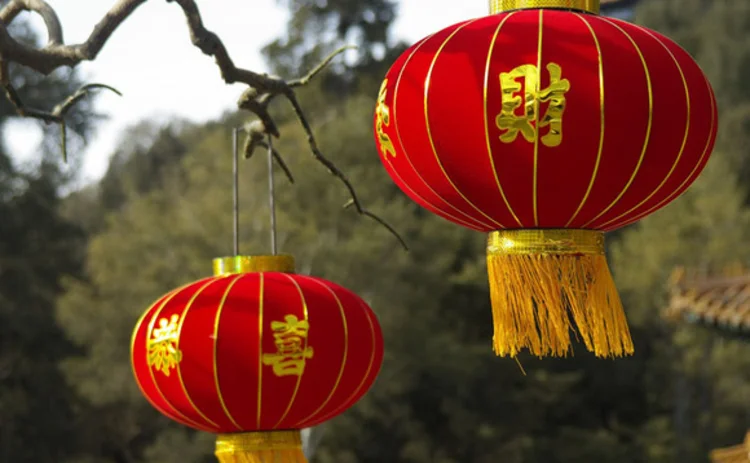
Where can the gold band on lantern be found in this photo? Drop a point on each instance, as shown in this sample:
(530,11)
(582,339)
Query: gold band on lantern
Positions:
(588,6)
(248,264)
(250,442)
(546,241)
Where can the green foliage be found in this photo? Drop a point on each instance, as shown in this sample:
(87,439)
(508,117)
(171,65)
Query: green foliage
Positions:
(707,228)
(38,246)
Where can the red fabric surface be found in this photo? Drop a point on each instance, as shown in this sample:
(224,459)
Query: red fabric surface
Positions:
(223,331)
(634,136)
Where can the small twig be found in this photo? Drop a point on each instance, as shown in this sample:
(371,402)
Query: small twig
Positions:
(379,220)
(326,61)
(354,201)
(58,113)
(279,160)
(61,109)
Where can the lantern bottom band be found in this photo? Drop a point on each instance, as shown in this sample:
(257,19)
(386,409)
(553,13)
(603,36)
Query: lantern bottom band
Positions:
(260,447)
(545,283)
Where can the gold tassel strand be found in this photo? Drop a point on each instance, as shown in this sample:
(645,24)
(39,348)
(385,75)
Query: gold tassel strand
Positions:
(260,447)
(543,282)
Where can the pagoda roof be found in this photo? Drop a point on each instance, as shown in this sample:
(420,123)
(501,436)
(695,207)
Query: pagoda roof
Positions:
(721,301)
(736,454)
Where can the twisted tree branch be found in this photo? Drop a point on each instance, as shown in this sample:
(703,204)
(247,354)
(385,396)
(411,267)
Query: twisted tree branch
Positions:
(256,99)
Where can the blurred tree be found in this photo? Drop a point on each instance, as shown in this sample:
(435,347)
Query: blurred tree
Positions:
(37,247)
(708,228)
(715,33)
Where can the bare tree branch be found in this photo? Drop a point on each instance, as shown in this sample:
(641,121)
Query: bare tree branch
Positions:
(56,54)
(354,201)
(256,99)
(51,21)
(57,115)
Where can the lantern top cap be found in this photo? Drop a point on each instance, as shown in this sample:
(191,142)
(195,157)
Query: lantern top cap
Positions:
(248,264)
(586,6)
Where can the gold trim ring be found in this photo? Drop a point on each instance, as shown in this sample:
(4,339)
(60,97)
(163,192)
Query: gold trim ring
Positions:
(258,441)
(545,241)
(588,6)
(248,264)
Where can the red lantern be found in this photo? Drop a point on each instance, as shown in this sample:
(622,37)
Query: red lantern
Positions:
(255,354)
(546,125)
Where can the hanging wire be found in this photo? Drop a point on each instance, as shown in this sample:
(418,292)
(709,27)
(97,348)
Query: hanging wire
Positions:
(271,195)
(236,189)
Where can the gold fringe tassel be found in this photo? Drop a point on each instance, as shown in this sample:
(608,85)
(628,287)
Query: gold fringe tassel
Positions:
(542,282)
(260,447)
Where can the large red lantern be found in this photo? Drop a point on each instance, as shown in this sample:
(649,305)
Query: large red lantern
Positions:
(546,125)
(255,354)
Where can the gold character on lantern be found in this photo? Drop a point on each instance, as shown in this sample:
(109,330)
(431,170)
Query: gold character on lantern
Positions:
(383,118)
(512,123)
(290,337)
(162,347)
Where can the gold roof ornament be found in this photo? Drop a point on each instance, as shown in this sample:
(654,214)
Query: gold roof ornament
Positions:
(737,454)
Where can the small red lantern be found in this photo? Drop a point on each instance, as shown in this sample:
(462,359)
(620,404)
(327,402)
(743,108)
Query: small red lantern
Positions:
(255,354)
(546,125)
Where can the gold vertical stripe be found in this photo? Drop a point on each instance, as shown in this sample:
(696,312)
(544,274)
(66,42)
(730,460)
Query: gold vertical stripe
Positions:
(684,137)
(486,122)
(536,116)
(705,153)
(406,155)
(179,336)
(427,122)
(366,311)
(601,116)
(151,370)
(216,343)
(344,356)
(260,349)
(648,128)
(299,378)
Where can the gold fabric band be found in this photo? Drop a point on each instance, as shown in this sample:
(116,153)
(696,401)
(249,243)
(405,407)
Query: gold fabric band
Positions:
(588,6)
(248,442)
(546,241)
(248,264)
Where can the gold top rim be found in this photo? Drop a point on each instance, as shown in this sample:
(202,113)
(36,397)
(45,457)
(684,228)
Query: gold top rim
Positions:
(258,441)
(545,241)
(587,6)
(249,264)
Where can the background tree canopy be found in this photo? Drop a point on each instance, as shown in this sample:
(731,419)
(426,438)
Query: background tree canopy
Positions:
(77,271)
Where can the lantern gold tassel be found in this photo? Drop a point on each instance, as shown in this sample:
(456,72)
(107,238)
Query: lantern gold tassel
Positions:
(260,447)
(542,282)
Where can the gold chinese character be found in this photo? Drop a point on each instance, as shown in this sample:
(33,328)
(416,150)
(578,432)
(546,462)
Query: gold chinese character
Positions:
(512,123)
(162,347)
(383,118)
(290,355)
